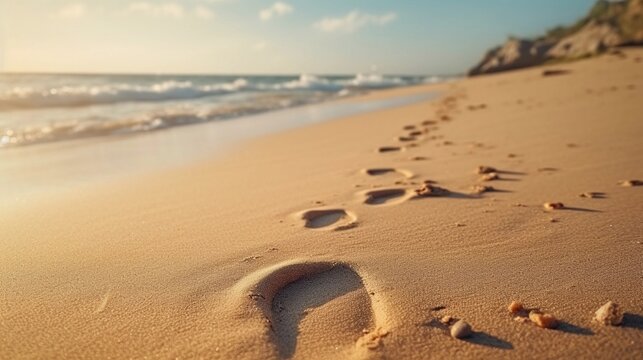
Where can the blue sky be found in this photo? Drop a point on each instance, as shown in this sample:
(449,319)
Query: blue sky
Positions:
(260,36)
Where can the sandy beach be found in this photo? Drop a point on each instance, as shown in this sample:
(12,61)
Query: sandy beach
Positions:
(356,237)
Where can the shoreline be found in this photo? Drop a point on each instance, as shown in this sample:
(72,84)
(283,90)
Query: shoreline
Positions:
(97,160)
(207,260)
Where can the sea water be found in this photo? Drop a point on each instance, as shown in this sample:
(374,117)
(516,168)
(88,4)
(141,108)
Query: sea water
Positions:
(40,108)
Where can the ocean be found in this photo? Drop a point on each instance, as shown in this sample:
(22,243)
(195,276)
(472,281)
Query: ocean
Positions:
(41,108)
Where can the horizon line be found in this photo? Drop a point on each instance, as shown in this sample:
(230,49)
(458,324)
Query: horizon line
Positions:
(5,72)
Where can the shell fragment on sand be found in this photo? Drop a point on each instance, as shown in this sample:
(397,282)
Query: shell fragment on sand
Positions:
(460,330)
(490,176)
(553,206)
(609,314)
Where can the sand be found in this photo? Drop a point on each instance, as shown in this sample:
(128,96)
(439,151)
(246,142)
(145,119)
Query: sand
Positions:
(288,248)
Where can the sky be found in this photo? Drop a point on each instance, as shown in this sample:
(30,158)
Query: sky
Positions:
(427,37)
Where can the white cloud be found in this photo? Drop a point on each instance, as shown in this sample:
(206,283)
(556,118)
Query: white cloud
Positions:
(260,46)
(354,21)
(72,11)
(203,12)
(169,9)
(277,9)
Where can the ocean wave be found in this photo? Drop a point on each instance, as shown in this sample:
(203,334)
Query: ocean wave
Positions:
(149,121)
(84,95)
(30,97)
(376,81)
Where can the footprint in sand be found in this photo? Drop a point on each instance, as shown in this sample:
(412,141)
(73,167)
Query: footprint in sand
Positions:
(390,196)
(387,171)
(319,309)
(389,149)
(328,219)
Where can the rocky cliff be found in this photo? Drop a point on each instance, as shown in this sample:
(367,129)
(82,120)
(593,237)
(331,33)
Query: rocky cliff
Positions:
(607,25)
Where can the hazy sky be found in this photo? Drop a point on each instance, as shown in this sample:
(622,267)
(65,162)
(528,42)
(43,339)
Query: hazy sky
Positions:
(261,36)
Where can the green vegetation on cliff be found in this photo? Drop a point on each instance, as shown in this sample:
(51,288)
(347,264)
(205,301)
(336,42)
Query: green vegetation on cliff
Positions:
(626,16)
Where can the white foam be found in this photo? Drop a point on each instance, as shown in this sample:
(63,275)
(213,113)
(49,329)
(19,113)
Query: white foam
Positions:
(83,95)
(30,97)
(148,121)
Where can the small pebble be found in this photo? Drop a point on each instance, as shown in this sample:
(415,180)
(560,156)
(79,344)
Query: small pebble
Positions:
(515,307)
(486,169)
(553,206)
(590,195)
(430,190)
(609,314)
(479,189)
(460,330)
(630,183)
(546,321)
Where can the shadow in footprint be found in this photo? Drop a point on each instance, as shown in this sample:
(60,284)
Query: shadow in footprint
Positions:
(573,329)
(388,149)
(387,171)
(379,171)
(322,219)
(385,196)
(325,300)
(484,339)
(633,321)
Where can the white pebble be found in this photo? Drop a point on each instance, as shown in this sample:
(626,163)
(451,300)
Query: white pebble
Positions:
(460,330)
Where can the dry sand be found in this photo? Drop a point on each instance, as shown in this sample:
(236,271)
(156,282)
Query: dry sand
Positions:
(314,244)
